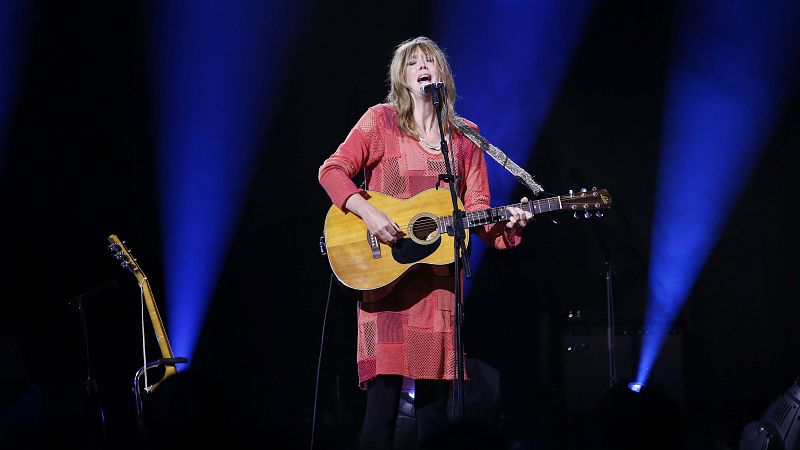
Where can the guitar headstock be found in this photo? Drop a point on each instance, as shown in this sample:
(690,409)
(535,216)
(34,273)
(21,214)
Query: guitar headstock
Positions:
(584,201)
(124,256)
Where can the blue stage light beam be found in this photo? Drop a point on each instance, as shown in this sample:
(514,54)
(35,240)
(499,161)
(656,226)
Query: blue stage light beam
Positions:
(509,59)
(14,22)
(216,68)
(734,65)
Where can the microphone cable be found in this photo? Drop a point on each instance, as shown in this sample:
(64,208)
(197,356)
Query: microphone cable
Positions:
(319,364)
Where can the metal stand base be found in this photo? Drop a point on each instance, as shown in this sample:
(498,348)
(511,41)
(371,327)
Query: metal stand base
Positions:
(137,392)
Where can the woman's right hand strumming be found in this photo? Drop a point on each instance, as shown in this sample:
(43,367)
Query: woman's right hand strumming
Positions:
(378,223)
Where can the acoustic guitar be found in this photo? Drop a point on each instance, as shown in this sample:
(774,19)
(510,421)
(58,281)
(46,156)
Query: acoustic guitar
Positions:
(360,261)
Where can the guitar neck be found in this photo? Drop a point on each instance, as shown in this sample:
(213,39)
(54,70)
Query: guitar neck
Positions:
(155,319)
(501,214)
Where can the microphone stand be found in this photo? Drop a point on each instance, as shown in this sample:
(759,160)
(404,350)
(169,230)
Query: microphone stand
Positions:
(610,271)
(92,390)
(459,258)
(612,364)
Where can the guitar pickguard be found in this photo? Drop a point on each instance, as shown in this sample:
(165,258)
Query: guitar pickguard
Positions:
(406,251)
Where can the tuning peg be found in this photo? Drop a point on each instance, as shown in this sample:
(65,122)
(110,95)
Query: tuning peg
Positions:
(587,215)
(127,264)
(599,214)
(583,190)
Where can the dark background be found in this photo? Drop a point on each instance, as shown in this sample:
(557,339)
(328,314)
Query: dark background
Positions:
(79,165)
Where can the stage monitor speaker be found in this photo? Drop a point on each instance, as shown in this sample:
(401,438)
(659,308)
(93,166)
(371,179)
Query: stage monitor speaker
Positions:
(584,352)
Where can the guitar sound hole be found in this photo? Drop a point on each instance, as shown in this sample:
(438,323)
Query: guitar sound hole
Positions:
(425,230)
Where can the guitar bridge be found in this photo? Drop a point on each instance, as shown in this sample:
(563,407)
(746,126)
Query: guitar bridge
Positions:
(374,245)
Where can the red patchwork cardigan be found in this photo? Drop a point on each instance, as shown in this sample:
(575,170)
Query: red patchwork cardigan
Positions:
(407,328)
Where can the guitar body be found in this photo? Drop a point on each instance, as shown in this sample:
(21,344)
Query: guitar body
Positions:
(360,262)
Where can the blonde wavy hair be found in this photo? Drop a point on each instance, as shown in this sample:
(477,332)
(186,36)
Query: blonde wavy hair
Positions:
(399,95)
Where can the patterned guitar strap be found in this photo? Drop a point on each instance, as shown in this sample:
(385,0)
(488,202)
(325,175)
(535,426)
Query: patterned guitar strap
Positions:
(519,173)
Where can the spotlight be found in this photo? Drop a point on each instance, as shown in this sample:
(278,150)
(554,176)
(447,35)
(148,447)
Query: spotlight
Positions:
(778,428)
(633,415)
(635,386)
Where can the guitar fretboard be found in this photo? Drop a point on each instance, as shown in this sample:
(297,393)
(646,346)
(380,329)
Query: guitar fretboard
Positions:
(500,213)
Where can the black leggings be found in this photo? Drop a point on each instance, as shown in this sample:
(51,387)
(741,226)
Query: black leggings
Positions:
(383,403)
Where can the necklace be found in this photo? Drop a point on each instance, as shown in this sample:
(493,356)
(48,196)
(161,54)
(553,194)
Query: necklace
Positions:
(429,146)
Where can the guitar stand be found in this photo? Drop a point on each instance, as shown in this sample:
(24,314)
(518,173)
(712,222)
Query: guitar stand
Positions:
(137,393)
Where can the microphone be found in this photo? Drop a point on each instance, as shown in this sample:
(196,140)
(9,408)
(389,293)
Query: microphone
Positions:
(428,88)
(95,292)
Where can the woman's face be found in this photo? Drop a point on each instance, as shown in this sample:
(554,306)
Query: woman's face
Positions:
(420,70)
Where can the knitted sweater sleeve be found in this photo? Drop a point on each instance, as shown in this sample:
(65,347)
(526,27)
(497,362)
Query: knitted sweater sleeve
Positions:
(358,149)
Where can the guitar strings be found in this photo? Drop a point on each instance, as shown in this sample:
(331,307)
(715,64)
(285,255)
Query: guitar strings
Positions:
(144,347)
(429,228)
(530,207)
